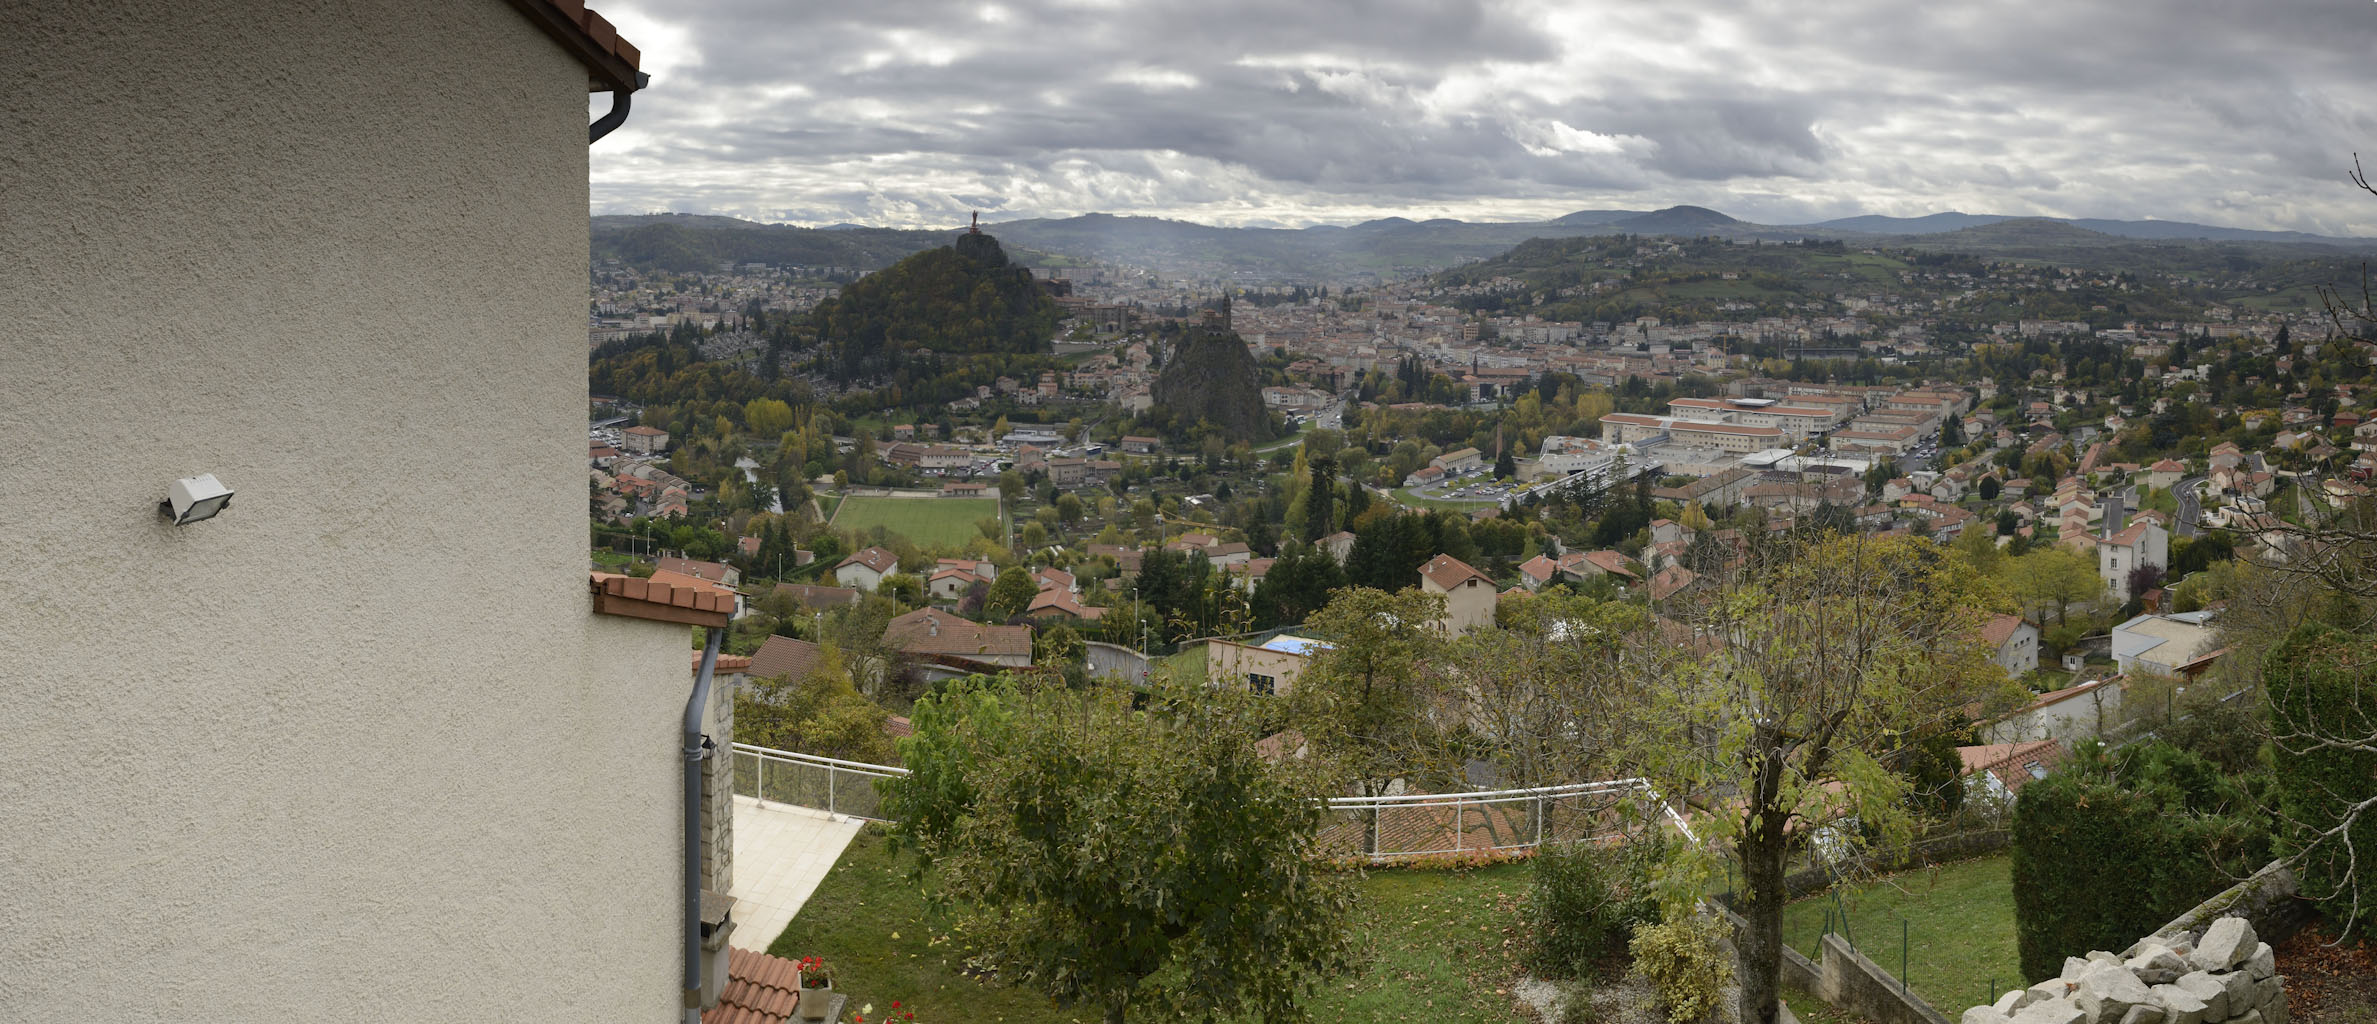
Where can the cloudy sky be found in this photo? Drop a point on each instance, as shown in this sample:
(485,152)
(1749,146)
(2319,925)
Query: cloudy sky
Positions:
(909,113)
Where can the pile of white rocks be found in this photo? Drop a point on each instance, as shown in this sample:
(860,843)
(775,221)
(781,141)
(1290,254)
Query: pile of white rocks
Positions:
(2225,977)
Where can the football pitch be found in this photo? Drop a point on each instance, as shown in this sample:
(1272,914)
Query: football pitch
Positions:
(927,522)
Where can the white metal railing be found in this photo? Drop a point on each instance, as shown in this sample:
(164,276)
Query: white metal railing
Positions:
(1485,821)
(1377,827)
(808,780)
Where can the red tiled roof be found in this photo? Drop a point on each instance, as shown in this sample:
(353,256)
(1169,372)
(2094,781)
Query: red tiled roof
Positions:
(818,597)
(873,558)
(926,631)
(1993,635)
(2010,762)
(1061,601)
(781,655)
(1670,580)
(615,594)
(1539,568)
(1448,572)
(610,61)
(715,572)
(726,662)
(760,989)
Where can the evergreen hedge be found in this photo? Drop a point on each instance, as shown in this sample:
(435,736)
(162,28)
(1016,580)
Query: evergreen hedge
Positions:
(2113,846)
(2322,683)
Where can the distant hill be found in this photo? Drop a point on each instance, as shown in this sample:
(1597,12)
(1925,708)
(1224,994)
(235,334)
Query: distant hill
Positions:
(683,243)
(1677,220)
(957,300)
(1938,222)
(1382,249)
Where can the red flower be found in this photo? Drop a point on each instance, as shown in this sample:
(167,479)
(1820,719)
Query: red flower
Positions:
(895,1004)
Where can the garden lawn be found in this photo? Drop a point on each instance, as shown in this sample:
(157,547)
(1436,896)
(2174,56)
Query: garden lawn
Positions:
(927,522)
(1959,928)
(1438,946)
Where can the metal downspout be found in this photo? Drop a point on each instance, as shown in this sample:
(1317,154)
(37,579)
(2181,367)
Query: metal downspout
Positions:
(620,100)
(697,748)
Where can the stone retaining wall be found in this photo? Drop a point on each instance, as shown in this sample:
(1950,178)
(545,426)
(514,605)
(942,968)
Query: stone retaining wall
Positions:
(2223,975)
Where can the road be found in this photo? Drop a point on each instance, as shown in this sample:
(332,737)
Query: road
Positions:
(2191,508)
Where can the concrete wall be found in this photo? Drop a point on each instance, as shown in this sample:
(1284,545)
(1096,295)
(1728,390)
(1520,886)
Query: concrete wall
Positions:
(357,748)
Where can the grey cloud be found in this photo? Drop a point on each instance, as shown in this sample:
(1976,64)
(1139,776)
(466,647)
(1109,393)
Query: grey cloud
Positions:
(895,110)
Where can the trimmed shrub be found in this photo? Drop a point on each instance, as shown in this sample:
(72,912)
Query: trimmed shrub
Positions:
(2112,846)
(2322,685)
(1686,963)
(1587,902)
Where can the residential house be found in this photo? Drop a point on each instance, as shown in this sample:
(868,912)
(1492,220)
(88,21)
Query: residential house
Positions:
(931,632)
(2164,645)
(864,570)
(1269,668)
(2073,713)
(326,799)
(785,656)
(2013,642)
(715,572)
(641,440)
(1535,572)
(1579,566)
(2142,545)
(817,598)
(1998,771)
(1057,602)
(1469,595)
(1339,545)
(2166,474)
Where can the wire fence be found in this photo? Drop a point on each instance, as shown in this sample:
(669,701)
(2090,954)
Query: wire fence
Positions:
(1379,828)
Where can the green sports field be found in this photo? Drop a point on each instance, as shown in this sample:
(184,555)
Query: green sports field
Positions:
(928,522)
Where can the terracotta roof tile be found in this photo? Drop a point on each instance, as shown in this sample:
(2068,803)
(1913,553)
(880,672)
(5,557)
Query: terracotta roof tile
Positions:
(927,631)
(611,62)
(1448,572)
(615,594)
(760,989)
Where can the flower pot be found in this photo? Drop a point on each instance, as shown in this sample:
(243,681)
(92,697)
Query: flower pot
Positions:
(813,1002)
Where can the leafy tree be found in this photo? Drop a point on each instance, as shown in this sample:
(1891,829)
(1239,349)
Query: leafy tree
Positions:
(1506,466)
(1300,582)
(820,713)
(2322,708)
(1370,708)
(1146,863)
(1837,653)
(1010,593)
(2054,577)
(1319,498)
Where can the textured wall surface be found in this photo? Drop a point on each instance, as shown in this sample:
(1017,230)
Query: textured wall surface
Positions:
(356,749)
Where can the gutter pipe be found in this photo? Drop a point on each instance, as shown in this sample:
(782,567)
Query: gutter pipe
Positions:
(697,749)
(620,100)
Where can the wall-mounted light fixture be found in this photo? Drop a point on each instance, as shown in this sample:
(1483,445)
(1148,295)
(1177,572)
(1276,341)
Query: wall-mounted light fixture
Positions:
(191,499)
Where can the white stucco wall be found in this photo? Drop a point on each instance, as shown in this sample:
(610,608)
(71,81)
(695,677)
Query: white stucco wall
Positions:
(357,749)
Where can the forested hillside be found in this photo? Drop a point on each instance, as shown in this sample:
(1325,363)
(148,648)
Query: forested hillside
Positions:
(960,300)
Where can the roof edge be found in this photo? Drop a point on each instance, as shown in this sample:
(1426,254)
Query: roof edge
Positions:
(611,61)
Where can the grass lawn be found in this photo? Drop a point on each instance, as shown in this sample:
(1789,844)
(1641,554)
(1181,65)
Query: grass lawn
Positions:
(1431,945)
(929,522)
(1411,496)
(1959,927)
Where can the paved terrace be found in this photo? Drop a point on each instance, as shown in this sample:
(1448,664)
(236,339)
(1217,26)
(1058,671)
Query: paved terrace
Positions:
(781,853)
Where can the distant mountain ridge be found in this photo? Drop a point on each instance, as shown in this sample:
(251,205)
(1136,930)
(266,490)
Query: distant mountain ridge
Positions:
(1384,248)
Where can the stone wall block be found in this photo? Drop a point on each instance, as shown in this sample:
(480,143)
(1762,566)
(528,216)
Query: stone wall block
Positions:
(2209,989)
(2179,1005)
(2108,991)
(2227,943)
(2059,1010)
(1983,1015)
(2263,964)
(2143,1013)
(2015,999)
(2242,995)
